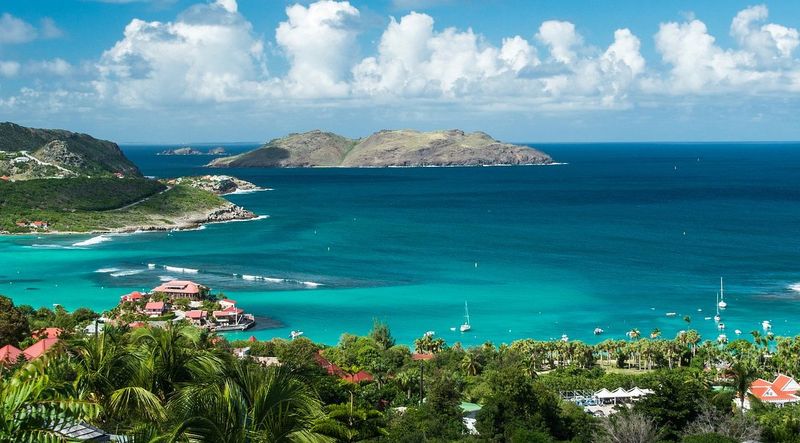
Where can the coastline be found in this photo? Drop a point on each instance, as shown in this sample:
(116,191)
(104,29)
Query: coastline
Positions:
(223,214)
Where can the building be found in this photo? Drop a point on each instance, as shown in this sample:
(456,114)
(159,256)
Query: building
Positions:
(781,391)
(332,369)
(47,333)
(9,355)
(230,315)
(38,349)
(132,297)
(197,317)
(182,289)
(155,308)
(227,303)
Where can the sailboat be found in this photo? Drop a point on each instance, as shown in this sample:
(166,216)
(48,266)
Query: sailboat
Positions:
(722,305)
(466,326)
(717,318)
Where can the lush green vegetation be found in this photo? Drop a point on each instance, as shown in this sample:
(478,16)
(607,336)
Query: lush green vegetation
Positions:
(179,383)
(93,204)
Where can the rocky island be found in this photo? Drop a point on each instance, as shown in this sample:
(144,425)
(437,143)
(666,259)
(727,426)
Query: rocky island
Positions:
(56,181)
(219,150)
(388,148)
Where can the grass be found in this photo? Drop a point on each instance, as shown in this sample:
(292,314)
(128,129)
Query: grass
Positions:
(85,205)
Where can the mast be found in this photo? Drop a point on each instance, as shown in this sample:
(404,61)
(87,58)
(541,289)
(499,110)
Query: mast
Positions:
(466,314)
(721,290)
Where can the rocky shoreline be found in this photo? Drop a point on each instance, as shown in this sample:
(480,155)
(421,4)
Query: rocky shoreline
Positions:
(224,214)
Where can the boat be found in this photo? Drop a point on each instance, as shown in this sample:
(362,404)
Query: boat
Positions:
(722,305)
(295,334)
(717,318)
(671,314)
(598,331)
(722,338)
(466,326)
(766,325)
(721,326)
(564,337)
(737,331)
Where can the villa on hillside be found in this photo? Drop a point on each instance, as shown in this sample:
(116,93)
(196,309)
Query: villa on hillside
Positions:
(783,390)
(231,318)
(182,289)
(155,308)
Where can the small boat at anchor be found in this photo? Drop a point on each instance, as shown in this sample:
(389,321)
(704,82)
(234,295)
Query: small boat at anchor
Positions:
(466,326)
(598,331)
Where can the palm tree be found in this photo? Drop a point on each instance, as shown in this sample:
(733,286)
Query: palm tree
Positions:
(31,404)
(248,404)
(470,364)
(634,334)
(348,424)
(655,333)
(743,372)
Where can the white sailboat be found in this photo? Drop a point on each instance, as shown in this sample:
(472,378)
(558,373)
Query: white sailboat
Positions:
(717,318)
(466,326)
(722,305)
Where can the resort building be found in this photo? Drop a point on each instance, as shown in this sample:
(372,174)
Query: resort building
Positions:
(197,317)
(155,308)
(182,289)
(38,349)
(47,333)
(9,355)
(227,303)
(132,297)
(781,391)
(332,369)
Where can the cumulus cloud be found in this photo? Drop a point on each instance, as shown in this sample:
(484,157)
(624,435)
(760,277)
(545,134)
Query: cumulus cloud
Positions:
(9,68)
(320,45)
(49,29)
(698,64)
(413,59)
(14,30)
(561,38)
(209,53)
(56,66)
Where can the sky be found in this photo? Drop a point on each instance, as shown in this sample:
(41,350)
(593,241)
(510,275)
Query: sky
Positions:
(183,71)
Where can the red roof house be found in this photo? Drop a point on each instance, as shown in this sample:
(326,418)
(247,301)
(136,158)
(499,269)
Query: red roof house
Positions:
(133,296)
(229,313)
(37,349)
(182,289)
(227,303)
(47,333)
(196,316)
(358,377)
(5,178)
(422,356)
(779,392)
(9,355)
(332,369)
(155,308)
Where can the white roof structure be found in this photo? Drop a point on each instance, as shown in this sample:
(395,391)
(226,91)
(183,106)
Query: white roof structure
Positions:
(604,393)
(620,393)
(636,392)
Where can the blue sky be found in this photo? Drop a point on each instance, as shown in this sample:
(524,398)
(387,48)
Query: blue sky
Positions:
(173,71)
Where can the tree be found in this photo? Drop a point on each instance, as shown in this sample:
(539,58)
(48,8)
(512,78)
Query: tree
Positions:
(381,334)
(655,333)
(31,404)
(346,423)
(743,372)
(738,427)
(13,323)
(677,400)
(628,427)
(249,403)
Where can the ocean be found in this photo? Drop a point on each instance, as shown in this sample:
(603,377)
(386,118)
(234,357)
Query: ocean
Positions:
(616,237)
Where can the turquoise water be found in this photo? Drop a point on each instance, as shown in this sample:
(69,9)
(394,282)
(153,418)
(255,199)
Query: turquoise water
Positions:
(616,238)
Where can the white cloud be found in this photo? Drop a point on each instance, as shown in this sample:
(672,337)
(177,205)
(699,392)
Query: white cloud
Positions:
(768,41)
(561,38)
(208,54)
(56,66)
(320,45)
(9,68)
(49,29)
(14,30)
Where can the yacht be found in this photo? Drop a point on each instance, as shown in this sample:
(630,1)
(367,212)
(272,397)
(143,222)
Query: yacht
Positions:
(722,305)
(466,326)
(598,331)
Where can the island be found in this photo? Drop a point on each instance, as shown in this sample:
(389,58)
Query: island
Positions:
(387,148)
(56,181)
(219,150)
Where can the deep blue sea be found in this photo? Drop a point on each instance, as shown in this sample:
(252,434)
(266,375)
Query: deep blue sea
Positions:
(617,237)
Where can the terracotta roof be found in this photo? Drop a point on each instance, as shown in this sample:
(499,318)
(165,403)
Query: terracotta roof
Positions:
(358,377)
(782,390)
(227,300)
(196,314)
(135,295)
(47,333)
(40,347)
(136,324)
(421,356)
(182,286)
(228,312)
(154,305)
(9,354)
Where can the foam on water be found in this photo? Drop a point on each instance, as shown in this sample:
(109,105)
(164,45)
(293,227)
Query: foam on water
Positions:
(181,270)
(93,241)
(126,273)
(795,287)
(106,270)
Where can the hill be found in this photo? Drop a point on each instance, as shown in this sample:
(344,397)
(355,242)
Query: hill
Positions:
(386,149)
(27,153)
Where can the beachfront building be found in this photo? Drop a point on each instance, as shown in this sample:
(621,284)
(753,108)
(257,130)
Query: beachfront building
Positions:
(783,390)
(132,297)
(182,289)
(38,349)
(155,308)
(197,317)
